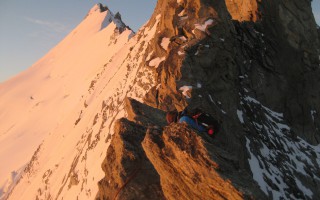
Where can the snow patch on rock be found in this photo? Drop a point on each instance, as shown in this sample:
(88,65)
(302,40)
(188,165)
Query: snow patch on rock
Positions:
(203,27)
(313,114)
(180,53)
(211,99)
(165,43)
(179,1)
(240,116)
(156,62)
(186,91)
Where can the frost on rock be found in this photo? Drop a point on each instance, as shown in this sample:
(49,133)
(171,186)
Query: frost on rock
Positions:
(278,161)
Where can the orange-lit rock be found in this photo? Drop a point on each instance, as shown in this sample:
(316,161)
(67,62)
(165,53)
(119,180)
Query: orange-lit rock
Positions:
(243,10)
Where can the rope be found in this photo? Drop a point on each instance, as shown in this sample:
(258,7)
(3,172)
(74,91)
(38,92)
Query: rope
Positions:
(134,174)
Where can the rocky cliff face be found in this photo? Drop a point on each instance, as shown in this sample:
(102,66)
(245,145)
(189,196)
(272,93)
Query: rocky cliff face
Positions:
(151,161)
(254,65)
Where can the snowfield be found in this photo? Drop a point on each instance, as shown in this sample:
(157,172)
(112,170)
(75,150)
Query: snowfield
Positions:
(57,116)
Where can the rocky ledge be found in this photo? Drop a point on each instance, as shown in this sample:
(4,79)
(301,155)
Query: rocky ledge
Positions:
(153,161)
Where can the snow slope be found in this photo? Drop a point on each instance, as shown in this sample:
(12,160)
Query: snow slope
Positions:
(63,108)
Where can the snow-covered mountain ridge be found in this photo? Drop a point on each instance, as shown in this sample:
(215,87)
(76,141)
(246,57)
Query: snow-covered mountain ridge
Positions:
(44,104)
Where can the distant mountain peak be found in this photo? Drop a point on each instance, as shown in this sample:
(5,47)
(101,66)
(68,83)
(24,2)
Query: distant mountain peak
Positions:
(109,17)
(98,8)
(102,7)
(118,16)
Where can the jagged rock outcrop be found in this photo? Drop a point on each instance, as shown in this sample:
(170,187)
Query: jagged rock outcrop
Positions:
(257,71)
(131,175)
(185,167)
(151,161)
(244,10)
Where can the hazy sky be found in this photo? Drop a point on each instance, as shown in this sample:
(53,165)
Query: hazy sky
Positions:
(30,28)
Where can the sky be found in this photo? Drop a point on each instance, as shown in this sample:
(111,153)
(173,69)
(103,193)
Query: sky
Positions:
(29,29)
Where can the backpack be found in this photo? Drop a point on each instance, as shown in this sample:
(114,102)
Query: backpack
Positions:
(206,120)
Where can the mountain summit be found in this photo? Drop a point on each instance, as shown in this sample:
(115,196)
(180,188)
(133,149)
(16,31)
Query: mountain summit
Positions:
(98,8)
(110,17)
(41,100)
(89,117)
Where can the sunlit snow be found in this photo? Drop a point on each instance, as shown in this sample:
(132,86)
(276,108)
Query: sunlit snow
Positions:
(186,91)
(165,43)
(156,61)
(203,27)
(60,112)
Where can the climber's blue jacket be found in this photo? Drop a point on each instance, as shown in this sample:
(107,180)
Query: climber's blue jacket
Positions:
(191,122)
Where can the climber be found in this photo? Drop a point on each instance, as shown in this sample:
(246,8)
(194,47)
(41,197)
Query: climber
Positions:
(197,119)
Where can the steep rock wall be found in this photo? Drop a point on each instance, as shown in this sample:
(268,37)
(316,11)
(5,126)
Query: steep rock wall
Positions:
(235,68)
(259,76)
(210,50)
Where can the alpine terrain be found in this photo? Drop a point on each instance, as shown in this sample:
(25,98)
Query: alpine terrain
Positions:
(88,120)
